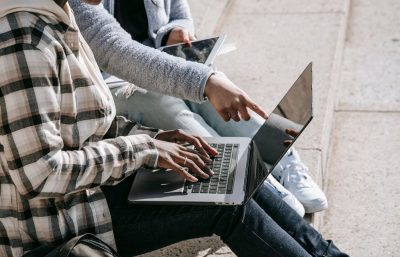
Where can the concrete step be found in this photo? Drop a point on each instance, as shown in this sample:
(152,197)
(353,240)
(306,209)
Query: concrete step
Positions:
(276,40)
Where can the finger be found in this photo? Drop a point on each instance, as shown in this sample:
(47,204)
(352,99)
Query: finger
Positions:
(234,115)
(206,146)
(224,115)
(195,158)
(187,162)
(244,114)
(198,161)
(181,171)
(192,140)
(256,108)
(206,159)
(292,132)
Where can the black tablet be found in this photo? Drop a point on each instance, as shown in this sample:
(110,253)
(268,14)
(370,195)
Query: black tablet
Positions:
(203,51)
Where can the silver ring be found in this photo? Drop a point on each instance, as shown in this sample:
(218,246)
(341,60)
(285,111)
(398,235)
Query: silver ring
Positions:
(185,161)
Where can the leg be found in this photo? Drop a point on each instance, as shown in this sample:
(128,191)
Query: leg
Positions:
(161,111)
(248,230)
(310,239)
(227,129)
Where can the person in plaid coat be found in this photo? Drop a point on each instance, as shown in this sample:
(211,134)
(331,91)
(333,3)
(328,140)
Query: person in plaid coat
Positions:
(66,158)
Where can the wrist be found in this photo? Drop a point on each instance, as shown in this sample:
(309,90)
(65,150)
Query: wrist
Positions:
(209,85)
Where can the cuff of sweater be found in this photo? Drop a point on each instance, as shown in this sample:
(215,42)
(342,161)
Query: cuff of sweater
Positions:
(203,85)
(145,151)
(196,80)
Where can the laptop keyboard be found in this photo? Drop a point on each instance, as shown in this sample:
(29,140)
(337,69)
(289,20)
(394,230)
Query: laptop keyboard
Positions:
(224,168)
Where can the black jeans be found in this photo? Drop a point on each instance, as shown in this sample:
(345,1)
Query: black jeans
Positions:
(265,226)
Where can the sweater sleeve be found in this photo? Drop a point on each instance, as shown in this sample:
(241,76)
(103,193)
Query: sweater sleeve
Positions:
(179,17)
(117,54)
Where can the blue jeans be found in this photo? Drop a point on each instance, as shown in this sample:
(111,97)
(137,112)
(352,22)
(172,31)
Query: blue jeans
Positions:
(169,113)
(265,226)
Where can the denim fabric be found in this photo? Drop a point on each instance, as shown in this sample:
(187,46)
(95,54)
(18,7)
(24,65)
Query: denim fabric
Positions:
(161,111)
(168,113)
(265,226)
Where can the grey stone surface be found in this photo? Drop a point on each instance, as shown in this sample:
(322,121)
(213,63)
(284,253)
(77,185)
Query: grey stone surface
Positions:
(364,213)
(289,6)
(364,178)
(272,52)
(370,78)
(374,23)
(202,247)
(206,15)
(371,69)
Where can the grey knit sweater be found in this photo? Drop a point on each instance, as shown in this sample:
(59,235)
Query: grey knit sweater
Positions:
(117,54)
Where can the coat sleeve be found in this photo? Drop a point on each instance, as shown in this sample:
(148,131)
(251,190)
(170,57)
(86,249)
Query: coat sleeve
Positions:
(32,141)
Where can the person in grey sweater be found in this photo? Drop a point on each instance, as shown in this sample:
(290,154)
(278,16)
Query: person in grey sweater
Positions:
(169,80)
(117,54)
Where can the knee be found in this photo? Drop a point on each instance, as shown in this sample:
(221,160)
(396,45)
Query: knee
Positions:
(233,217)
(184,113)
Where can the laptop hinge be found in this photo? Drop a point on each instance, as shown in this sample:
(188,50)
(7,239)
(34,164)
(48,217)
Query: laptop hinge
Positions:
(254,161)
(249,183)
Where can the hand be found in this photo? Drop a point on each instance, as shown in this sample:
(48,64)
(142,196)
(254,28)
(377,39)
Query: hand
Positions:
(181,137)
(180,35)
(177,157)
(228,100)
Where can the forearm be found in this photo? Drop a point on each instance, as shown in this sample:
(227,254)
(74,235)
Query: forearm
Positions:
(105,162)
(148,68)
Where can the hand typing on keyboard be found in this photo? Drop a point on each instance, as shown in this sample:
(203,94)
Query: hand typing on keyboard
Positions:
(173,155)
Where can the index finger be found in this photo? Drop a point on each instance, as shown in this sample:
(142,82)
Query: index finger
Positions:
(206,146)
(194,141)
(256,108)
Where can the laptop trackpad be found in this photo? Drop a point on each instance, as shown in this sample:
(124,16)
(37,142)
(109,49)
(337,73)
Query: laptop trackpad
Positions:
(155,184)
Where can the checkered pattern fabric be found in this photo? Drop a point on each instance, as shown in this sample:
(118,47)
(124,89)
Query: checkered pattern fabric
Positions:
(59,138)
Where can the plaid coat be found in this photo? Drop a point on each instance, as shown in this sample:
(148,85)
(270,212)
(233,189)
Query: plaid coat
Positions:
(59,138)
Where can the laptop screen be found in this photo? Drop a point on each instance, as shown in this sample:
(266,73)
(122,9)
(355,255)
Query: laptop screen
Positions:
(287,121)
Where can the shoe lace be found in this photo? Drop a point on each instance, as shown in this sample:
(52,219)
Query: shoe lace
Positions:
(295,173)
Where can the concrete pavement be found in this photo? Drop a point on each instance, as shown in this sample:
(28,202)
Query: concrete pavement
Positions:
(364,177)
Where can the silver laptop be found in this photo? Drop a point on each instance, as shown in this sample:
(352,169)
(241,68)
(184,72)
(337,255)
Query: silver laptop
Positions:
(238,169)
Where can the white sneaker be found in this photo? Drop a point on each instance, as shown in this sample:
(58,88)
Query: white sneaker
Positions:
(286,196)
(293,175)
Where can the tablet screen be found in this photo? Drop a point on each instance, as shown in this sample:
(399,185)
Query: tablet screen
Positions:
(199,52)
